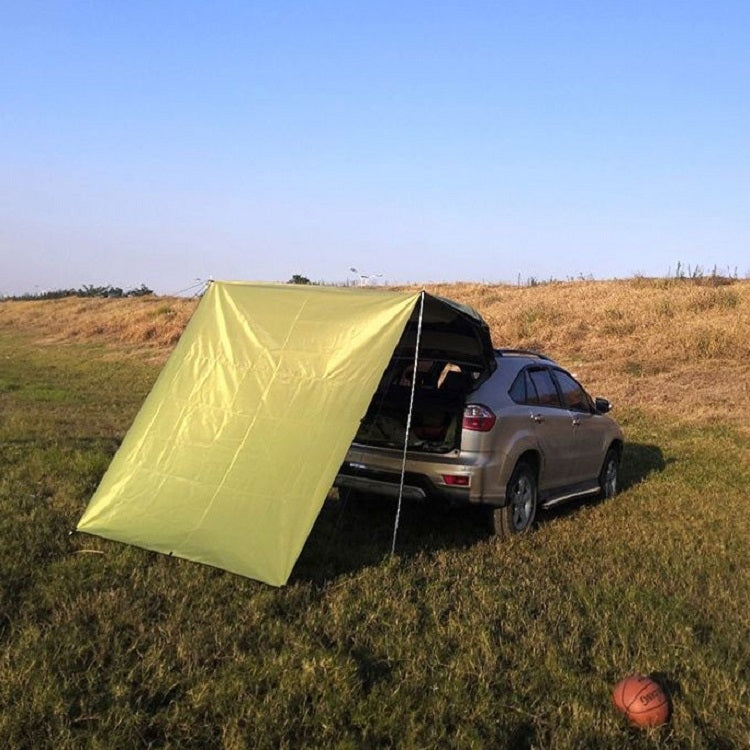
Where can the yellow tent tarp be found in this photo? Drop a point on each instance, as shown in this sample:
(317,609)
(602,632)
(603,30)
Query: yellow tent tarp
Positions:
(231,456)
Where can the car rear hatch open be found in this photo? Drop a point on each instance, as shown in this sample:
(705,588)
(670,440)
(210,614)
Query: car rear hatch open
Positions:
(455,357)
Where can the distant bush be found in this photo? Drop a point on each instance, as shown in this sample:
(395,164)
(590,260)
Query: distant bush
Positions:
(299,279)
(87,290)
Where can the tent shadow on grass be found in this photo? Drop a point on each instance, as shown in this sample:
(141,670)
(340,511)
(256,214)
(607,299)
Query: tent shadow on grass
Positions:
(358,533)
(351,535)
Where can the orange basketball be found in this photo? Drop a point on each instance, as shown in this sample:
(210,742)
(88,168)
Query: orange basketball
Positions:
(642,700)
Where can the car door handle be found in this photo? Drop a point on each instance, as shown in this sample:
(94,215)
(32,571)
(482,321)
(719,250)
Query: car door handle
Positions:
(576,422)
(538,418)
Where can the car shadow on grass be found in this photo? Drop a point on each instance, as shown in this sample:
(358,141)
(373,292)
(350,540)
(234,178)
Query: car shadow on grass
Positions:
(357,532)
(639,462)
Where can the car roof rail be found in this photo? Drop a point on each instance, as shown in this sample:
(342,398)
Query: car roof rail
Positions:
(522,353)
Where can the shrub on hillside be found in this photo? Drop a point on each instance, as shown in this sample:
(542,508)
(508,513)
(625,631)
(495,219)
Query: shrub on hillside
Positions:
(87,290)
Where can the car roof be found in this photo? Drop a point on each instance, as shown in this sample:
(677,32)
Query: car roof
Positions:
(524,357)
(510,362)
(521,353)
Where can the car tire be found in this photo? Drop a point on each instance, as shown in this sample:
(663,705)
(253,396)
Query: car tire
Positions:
(518,514)
(609,475)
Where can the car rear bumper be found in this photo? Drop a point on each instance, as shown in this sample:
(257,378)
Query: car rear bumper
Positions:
(455,477)
(387,484)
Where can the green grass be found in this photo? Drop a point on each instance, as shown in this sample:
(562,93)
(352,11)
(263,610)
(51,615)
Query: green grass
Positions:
(459,641)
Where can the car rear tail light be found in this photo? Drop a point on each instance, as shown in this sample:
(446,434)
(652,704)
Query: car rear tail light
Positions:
(456,480)
(478,418)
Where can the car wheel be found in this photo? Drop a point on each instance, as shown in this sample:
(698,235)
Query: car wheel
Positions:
(517,516)
(609,475)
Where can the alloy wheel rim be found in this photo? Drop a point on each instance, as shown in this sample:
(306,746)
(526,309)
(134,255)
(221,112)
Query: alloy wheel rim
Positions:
(523,501)
(610,479)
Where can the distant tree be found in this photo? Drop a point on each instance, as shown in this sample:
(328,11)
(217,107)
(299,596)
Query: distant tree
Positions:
(140,291)
(87,290)
(297,279)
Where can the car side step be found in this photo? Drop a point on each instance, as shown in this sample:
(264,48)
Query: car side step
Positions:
(552,502)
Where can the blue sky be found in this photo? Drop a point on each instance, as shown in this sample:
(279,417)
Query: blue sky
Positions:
(164,142)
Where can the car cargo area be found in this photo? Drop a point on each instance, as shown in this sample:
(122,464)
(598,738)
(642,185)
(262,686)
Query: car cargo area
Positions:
(439,397)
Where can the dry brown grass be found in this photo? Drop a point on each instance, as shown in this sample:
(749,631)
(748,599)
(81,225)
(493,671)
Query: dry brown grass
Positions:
(145,325)
(655,344)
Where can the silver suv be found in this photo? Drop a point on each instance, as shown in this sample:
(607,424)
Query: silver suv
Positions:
(519,435)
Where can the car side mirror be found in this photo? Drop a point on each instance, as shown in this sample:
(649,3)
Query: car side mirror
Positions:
(602,405)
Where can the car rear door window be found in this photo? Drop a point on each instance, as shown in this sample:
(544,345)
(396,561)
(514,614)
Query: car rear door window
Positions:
(534,386)
(544,387)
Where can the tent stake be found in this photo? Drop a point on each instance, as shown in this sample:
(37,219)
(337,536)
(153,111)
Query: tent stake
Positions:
(408,422)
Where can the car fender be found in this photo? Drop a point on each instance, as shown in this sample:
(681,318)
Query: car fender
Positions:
(523,444)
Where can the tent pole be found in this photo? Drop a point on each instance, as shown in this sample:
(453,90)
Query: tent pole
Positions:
(408,421)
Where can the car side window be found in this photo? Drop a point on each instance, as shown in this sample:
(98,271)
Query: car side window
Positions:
(575,398)
(546,392)
(518,390)
(523,391)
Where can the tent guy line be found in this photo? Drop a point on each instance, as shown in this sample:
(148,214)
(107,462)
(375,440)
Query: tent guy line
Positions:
(408,423)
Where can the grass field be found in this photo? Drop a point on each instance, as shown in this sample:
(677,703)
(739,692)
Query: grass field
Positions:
(459,641)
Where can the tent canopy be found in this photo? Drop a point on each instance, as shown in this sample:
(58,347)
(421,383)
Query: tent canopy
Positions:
(232,454)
